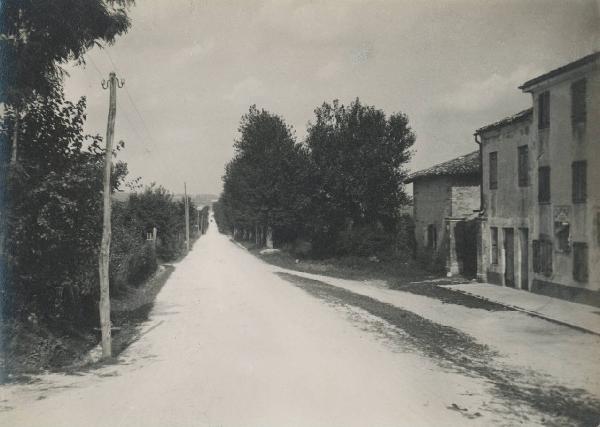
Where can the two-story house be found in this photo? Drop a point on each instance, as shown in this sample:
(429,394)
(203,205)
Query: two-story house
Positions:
(506,200)
(540,226)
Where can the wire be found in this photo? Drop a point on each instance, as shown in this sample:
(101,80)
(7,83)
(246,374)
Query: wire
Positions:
(96,67)
(133,104)
(111,61)
(140,116)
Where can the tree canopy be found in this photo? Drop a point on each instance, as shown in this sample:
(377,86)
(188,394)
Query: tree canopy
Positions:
(360,155)
(348,175)
(37,36)
(266,183)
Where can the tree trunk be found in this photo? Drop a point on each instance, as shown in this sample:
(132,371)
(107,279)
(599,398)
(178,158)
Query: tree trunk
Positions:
(15,140)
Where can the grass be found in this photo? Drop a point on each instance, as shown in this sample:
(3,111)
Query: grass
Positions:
(347,267)
(403,275)
(30,348)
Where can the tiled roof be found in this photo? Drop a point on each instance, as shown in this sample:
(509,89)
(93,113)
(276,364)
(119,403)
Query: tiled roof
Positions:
(521,115)
(570,66)
(463,165)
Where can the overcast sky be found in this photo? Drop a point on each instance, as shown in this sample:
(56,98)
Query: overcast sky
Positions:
(192,68)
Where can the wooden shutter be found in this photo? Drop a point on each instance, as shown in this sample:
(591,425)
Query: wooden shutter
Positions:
(544,110)
(580,261)
(493,170)
(579,180)
(578,104)
(523,166)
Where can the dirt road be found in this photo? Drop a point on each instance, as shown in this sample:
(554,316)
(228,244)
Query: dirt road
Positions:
(232,343)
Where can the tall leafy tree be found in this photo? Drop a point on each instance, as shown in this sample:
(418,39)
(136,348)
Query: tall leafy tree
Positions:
(360,155)
(38,36)
(53,226)
(266,184)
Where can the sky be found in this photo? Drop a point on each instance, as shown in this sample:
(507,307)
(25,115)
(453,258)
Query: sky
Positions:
(193,68)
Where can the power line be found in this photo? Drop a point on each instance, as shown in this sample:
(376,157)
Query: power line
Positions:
(141,117)
(100,74)
(133,104)
(111,61)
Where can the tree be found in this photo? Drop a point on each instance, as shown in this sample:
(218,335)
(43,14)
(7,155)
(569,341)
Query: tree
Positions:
(266,183)
(38,36)
(157,207)
(53,225)
(360,155)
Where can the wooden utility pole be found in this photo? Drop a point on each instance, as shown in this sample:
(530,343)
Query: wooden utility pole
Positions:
(15,139)
(104,258)
(187,218)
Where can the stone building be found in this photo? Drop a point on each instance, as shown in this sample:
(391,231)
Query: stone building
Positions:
(445,198)
(506,200)
(540,226)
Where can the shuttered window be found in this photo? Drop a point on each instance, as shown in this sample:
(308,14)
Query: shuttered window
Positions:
(544,110)
(580,261)
(493,170)
(578,105)
(542,256)
(523,166)
(544,184)
(579,177)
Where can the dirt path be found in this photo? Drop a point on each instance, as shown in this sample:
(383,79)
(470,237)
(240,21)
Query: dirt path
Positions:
(231,343)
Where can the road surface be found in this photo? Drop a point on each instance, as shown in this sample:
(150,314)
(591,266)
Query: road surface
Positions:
(231,342)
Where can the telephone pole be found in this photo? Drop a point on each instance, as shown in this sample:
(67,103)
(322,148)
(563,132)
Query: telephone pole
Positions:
(104,257)
(187,218)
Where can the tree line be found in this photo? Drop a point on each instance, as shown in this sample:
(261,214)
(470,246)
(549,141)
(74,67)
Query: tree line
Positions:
(339,192)
(51,173)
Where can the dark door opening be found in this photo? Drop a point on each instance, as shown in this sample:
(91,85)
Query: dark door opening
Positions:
(465,235)
(509,257)
(524,243)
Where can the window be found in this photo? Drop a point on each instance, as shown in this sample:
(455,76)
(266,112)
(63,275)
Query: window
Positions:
(544,110)
(542,256)
(493,170)
(544,184)
(580,261)
(494,232)
(523,166)
(432,236)
(578,107)
(579,172)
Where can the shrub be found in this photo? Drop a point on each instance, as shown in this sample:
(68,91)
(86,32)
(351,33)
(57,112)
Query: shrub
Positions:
(142,264)
(365,241)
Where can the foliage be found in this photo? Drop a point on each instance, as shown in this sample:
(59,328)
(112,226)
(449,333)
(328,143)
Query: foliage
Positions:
(132,258)
(37,36)
(52,209)
(157,207)
(359,154)
(267,184)
(343,190)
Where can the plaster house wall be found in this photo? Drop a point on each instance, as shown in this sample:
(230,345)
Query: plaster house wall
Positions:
(509,205)
(437,199)
(431,203)
(465,196)
(557,147)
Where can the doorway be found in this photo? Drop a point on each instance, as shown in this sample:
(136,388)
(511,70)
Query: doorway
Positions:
(509,257)
(524,244)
